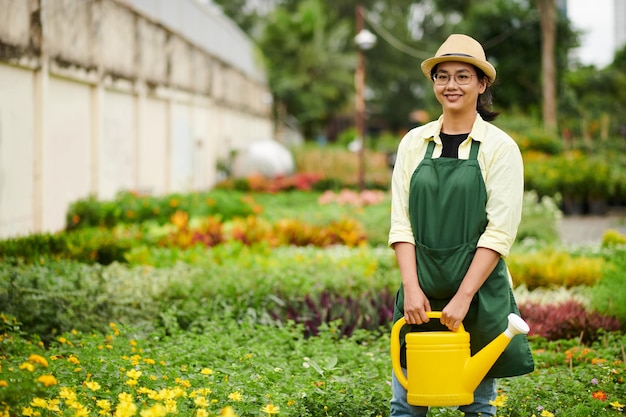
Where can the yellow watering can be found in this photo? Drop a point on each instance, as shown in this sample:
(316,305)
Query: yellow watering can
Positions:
(440,368)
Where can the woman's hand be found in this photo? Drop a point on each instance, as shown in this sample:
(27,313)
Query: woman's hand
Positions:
(455,311)
(416,305)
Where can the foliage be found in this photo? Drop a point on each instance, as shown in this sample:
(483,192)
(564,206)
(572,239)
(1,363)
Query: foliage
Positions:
(242,368)
(540,219)
(567,320)
(577,176)
(570,380)
(92,245)
(608,295)
(309,66)
(56,296)
(554,268)
(248,368)
(134,208)
(340,166)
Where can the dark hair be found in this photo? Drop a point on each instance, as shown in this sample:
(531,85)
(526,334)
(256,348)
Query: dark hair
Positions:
(483,105)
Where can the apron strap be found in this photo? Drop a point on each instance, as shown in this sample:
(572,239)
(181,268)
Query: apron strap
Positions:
(474,150)
(429,150)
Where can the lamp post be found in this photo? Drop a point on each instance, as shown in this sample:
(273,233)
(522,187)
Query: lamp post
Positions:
(364,40)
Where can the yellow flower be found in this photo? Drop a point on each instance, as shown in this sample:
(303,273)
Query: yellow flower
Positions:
(34,358)
(53,405)
(104,405)
(500,401)
(202,413)
(3,383)
(235,396)
(81,411)
(201,402)
(546,413)
(228,412)
(133,374)
(615,404)
(270,409)
(206,371)
(132,382)
(73,359)
(27,366)
(157,410)
(92,385)
(28,412)
(38,402)
(47,380)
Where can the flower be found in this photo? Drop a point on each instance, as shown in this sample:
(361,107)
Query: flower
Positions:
(599,395)
(34,358)
(546,413)
(235,396)
(201,402)
(157,410)
(28,366)
(228,412)
(3,383)
(616,405)
(500,401)
(206,371)
(92,385)
(594,381)
(133,374)
(47,380)
(270,409)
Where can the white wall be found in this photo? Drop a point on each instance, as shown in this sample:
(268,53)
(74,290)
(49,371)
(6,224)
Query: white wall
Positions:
(113,101)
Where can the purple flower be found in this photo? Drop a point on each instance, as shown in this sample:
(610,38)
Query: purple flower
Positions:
(539,408)
(594,381)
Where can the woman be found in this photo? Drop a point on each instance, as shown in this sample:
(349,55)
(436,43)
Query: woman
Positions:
(457,191)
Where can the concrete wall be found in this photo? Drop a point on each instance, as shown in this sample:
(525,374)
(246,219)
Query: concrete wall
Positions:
(97,97)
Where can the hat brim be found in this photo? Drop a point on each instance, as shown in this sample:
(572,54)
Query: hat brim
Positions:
(485,66)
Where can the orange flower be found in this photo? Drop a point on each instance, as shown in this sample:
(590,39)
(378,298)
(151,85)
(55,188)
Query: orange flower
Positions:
(599,395)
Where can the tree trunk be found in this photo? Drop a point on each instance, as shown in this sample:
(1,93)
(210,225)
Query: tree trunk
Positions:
(547,17)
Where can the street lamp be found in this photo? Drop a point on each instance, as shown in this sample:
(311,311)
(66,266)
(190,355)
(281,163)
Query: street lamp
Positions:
(365,40)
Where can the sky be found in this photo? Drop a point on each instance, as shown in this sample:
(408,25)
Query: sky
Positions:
(595,17)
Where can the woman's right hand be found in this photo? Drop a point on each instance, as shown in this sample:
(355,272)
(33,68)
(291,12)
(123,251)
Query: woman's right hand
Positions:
(416,305)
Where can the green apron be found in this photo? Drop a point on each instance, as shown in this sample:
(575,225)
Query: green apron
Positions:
(447,210)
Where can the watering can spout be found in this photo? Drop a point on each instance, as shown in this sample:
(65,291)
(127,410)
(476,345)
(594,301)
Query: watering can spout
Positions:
(478,365)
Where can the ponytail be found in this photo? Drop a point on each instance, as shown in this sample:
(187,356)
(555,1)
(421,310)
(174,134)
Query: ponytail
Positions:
(483,105)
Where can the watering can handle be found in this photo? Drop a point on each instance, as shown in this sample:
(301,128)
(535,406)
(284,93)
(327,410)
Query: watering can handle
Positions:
(395,346)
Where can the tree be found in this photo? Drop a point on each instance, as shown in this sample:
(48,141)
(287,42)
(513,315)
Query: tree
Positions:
(547,18)
(310,73)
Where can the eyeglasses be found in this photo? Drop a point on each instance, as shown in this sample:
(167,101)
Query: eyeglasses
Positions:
(461,78)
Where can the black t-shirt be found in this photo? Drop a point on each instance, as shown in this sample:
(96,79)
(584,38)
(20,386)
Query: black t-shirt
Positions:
(451,144)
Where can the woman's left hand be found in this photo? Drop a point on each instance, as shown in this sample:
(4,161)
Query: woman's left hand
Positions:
(455,311)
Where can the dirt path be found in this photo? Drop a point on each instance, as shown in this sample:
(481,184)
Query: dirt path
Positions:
(590,229)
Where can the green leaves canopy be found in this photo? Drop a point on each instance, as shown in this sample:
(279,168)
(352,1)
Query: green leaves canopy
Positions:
(310,70)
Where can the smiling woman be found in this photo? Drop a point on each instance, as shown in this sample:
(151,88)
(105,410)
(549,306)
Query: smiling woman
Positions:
(457,192)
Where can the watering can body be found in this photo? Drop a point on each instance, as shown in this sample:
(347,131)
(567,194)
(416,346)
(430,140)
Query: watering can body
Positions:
(440,369)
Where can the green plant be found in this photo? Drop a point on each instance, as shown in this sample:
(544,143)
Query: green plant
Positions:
(608,295)
(549,267)
(540,217)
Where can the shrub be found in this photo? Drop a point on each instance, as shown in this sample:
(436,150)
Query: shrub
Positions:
(568,320)
(608,296)
(134,208)
(550,268)
(540,217)
(93,245)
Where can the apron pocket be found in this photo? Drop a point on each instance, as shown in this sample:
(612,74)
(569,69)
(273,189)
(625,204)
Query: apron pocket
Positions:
(440,271)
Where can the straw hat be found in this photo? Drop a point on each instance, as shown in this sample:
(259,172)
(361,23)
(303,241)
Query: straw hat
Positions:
(461,48)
